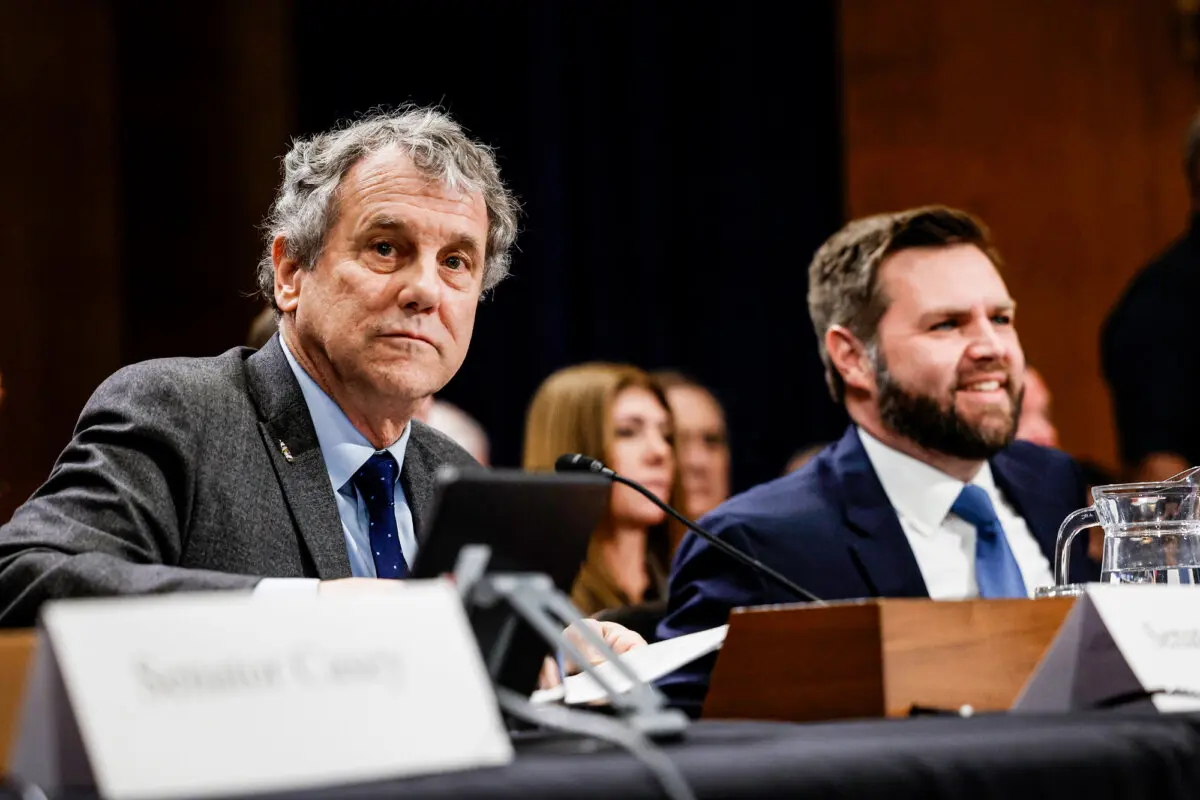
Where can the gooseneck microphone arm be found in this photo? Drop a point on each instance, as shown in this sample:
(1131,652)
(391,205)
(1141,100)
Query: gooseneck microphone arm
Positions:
(576,462)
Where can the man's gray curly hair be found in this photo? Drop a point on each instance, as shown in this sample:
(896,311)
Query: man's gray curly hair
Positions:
(305,206)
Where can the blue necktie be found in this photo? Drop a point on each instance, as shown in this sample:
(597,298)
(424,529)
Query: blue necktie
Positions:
(376,485)
(996,570)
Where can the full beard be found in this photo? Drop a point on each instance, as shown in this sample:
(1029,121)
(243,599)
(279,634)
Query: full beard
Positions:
(938,426)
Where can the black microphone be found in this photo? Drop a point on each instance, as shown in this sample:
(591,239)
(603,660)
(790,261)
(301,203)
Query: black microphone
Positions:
(577,462)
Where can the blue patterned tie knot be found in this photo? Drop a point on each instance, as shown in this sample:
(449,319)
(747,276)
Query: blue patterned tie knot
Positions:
(996,569)
(375,483)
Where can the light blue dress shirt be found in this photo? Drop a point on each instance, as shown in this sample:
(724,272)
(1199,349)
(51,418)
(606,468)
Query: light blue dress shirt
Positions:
(345,450)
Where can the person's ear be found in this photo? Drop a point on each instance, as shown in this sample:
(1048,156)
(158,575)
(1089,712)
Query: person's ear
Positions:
(288,276)
(851,358)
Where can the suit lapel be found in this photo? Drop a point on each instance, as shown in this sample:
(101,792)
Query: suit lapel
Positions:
(417,478)
(1022,487)
(876,540)
(291,440)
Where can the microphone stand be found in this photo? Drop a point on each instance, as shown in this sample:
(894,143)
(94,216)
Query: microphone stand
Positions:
(727,549)
(533,597)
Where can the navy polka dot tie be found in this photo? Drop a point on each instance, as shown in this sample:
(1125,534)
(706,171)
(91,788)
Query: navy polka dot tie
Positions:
(376,485)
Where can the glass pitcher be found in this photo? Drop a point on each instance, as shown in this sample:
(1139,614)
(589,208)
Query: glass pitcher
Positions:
(1151,534)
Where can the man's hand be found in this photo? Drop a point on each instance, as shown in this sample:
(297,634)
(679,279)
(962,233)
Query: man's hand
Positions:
(619,638)
(345,587)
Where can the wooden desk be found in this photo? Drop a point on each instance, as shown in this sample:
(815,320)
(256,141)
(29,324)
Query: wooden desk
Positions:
(16,654)
(874,658)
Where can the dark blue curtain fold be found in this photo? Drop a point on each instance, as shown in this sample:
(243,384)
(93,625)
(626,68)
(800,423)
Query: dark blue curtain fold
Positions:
(678,164)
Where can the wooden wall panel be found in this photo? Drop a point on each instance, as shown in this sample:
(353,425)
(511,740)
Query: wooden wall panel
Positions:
(60,301)
(141,146)
(1060,122)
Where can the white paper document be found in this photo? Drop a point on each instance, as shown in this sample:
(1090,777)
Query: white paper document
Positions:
(647,663)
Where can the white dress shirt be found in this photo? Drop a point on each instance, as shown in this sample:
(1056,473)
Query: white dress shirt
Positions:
(944,543)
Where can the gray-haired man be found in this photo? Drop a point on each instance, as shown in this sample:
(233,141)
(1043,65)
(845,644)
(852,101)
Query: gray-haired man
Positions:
(300,460)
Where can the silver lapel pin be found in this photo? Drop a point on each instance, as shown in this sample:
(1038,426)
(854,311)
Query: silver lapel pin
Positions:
(286,453)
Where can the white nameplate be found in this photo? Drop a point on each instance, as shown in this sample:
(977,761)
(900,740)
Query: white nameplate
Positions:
(1119,642)
(198,695)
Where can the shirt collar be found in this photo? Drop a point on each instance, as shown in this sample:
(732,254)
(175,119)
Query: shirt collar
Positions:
(915,489)
(344,449)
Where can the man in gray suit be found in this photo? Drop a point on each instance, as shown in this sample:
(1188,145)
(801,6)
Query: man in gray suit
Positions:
(297,467)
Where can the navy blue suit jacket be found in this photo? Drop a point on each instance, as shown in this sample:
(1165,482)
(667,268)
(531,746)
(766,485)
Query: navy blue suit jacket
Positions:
(830,528)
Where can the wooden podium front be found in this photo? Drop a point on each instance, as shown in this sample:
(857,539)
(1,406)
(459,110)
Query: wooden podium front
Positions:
(16,655)
(874,658)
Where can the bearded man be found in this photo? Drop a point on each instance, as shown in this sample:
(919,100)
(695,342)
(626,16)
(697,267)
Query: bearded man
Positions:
(927,494)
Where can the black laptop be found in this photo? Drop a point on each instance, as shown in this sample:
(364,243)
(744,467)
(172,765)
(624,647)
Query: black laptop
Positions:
(532,522)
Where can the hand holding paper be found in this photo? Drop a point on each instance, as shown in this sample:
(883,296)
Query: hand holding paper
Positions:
(619,639)
(648,663)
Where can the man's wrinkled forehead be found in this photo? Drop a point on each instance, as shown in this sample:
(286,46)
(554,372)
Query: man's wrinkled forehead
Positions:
(388,178)
(393,169)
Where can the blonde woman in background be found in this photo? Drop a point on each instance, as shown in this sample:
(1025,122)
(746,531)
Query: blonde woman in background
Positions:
(615,413)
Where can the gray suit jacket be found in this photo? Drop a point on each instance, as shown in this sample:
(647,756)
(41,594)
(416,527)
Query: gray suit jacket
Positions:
(176,480)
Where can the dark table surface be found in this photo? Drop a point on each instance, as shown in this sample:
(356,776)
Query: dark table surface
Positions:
(1093,755)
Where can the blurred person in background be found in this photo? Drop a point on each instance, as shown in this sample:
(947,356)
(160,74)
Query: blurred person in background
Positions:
(615,413)
(803,456)
(1147,351)
(1035,424)
(463,429)
(262,328)
(701,442)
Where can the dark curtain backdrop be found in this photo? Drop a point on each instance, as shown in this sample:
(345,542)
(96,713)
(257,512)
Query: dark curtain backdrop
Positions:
(678,164)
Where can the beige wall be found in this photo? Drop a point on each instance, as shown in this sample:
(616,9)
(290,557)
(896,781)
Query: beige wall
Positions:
(1060,123)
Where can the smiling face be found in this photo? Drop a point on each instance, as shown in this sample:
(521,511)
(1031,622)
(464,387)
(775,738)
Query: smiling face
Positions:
(948,364)
(385,316)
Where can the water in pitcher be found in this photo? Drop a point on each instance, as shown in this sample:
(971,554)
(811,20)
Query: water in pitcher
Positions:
(1153,552)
